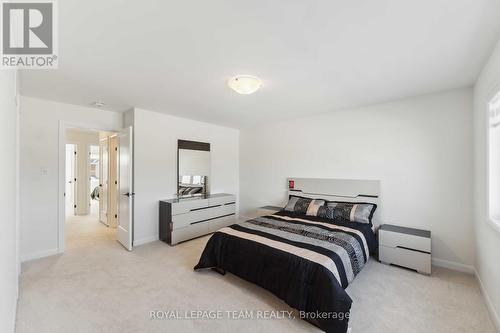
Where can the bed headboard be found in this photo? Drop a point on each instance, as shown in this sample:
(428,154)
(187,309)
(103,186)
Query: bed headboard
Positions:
(351,190)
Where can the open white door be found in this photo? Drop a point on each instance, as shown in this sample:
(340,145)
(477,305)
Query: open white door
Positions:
(103,180)
(70,182)
(126,191)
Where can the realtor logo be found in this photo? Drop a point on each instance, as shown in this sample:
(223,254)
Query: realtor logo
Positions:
(28,34)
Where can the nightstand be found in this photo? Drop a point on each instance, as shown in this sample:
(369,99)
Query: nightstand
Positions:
(406,247)
(268,210)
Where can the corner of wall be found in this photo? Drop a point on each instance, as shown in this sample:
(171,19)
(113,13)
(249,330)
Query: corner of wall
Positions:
(489,304)
(128,117)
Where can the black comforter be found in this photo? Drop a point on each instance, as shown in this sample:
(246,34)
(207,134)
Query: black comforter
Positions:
(306,261)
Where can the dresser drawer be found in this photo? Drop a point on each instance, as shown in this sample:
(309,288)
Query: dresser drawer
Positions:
(395,239)
(187,205)
(418,261)
(189,232)
(183,220)
(221,200)
(222,222)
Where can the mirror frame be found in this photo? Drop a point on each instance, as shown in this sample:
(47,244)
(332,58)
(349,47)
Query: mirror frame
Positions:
(191,145)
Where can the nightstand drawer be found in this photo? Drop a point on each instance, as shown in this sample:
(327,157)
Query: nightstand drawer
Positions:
(395,239)
(268,210)
(418,261)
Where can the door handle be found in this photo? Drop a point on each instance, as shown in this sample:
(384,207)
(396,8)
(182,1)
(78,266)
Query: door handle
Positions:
(128,194)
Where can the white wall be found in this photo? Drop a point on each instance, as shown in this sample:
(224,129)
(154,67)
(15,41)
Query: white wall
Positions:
(155,156)
(419,148)
(487,237)
(8,198)
(39,149)
(83,140)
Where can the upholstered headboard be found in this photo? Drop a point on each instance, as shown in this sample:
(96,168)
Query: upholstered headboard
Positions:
(350,190)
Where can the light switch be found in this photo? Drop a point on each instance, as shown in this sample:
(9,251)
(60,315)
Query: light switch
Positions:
(44,171)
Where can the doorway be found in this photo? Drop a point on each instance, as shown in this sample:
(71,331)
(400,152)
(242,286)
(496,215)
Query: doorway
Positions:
(108,185)
(94,176)
(92,166)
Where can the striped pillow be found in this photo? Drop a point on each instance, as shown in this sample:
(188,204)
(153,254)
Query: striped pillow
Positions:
(360,212)
(297,205)
(312,209)
(302,205)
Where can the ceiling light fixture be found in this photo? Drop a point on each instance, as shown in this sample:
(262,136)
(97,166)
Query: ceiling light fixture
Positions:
(98,104)
(244,84)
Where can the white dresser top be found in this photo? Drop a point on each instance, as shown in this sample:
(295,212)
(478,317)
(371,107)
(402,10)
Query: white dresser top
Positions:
(199,197)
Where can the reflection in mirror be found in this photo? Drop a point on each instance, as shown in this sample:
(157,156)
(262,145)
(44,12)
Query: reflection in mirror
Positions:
(193,168)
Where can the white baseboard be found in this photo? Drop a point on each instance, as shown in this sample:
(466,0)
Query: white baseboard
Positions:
(145,240)
(453,265)
(471,270)
(493,314)
(38,255)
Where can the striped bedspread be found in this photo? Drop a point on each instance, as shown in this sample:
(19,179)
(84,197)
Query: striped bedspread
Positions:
(306,261)
(343,251)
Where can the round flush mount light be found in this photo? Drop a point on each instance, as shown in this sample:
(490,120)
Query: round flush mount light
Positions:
(244,84)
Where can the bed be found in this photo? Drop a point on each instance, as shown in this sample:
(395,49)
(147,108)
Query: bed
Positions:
(306,254)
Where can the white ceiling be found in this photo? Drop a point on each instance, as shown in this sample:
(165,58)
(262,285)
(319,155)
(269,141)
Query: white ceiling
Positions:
(313,56)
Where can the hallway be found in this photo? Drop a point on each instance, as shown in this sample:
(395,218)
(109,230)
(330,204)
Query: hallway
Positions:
(87,231)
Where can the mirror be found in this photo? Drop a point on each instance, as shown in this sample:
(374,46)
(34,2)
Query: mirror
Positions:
(193,168)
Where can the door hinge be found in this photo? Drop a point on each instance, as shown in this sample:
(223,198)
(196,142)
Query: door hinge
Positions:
(116,216)
(75,152)
(74,206)
(116,148)
(116,182)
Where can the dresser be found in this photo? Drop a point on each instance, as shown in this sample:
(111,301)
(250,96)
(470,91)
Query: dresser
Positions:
(187,218)
(406,247)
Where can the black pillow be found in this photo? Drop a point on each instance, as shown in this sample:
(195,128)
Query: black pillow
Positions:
(361,212)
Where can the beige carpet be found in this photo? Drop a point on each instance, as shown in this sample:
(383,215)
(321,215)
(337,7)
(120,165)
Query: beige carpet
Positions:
(97,286)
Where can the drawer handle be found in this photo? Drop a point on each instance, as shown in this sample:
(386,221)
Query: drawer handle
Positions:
(410,249)
(195,209)
(213,218)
